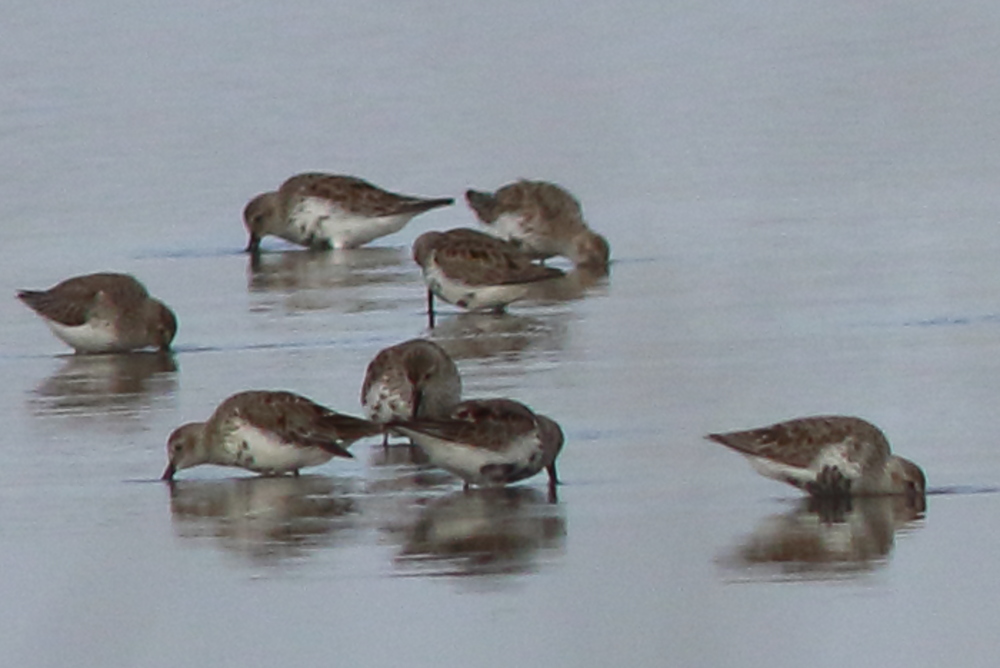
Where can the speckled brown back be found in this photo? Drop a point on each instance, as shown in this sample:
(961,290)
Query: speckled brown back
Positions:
(798,442)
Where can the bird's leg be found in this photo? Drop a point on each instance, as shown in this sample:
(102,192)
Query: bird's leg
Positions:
(553,477)
(553,482)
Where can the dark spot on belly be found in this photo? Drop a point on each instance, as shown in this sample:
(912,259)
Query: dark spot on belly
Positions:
(505,473)
(830,482)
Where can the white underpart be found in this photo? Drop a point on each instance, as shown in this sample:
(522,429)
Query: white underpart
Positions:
(384,402)
(832,455)
(471,516)
(466,461)
(472,297)
(266,453)
(509,226)
(94,336)
(319,220)
(514,227)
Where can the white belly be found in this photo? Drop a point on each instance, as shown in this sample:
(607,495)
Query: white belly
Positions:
(96,336)
(800,476)
(514,227)
(386,401)
(472,297)
(467,462)
(319,222)
(262,451)
(509,226)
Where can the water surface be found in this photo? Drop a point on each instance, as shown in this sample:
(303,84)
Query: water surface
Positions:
(802,207)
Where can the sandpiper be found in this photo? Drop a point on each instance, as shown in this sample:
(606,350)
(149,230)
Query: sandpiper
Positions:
(543,218)
(269,432)
(103,313)
(475,271)
(488,442)
(330,211)
(829,455)
(409,381)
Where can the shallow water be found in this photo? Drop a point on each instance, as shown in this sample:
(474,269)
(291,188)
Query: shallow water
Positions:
(802,208)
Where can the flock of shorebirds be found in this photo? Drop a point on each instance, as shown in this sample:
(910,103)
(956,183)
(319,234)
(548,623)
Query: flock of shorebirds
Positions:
(414,389)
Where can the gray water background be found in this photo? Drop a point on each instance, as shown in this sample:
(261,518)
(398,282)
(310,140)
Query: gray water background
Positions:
(803,208)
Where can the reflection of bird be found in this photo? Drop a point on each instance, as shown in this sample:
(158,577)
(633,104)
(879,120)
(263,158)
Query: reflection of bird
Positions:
(411,380)
(484,335)
(103,313)
(105,383)
(264,518)
(330,211)
(827,455)
(574,285)
(305,270)
(266,432)
(827,538)
(489,442)
(475,271)
(483,532)
(353,280)
(542,218)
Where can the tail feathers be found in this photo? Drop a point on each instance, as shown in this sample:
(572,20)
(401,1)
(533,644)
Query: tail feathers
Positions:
(730,441)
(31,297)
(340,431)
(333,447)
(484,204)
(421,205)
(49,306)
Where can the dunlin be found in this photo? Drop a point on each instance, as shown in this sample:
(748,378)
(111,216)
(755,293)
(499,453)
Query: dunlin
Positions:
(476,271)
(267,432)
(488,442)
(409,381)
(543,218)
(827,456)
(103,313)
(330,211)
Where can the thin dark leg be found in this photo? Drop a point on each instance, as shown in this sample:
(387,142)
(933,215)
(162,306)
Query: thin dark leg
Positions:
(430,309)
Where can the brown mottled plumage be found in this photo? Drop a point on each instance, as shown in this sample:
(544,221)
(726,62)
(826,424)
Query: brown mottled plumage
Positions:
(476,271)
(543,218)
(410,380)
(330,211)
(268,432)
(488,442)
(827,455)
(104,312)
